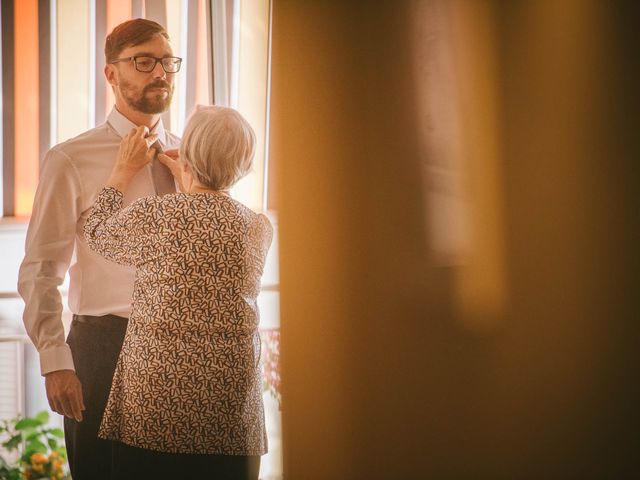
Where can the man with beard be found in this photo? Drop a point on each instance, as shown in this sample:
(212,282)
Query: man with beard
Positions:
(140,67)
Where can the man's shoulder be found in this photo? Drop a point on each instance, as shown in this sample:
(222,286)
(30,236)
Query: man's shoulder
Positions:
(91,139)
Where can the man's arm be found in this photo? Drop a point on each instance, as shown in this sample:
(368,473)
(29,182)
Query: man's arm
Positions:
(48,250)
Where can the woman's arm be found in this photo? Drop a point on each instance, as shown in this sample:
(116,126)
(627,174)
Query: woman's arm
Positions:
(116,233)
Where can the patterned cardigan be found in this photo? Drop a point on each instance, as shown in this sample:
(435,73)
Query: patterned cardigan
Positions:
(188,377)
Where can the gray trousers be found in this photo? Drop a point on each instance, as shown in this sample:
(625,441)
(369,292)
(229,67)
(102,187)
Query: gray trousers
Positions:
(95,344)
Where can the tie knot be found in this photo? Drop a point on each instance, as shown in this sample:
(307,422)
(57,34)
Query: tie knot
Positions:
(157,146)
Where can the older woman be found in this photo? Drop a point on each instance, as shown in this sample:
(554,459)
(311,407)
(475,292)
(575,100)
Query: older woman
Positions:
(186,397)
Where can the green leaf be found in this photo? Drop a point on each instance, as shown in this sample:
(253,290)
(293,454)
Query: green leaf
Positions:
(32,436)
(56,432)
(27,423)
(42,417)
(62,451)
(53,444)
(9,473)
(13,442)
(36,446)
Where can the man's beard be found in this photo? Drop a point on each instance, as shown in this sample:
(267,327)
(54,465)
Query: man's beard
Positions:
(147,104)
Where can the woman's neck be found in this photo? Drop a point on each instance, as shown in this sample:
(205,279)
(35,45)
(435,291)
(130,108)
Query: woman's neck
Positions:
(197,188)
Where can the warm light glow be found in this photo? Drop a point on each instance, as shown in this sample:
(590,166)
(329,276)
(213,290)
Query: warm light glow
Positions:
(252,92)
(174,29)
(118,11)
(26,105)
(481,285)
(455,75)
(202,60)
(73,85)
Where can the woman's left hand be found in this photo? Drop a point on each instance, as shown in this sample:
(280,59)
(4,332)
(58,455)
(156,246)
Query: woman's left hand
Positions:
(171,160)
(134,154)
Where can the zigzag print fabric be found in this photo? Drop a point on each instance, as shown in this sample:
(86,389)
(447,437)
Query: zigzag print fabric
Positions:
(188,377)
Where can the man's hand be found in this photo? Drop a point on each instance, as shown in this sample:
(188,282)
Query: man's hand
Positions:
(64,393)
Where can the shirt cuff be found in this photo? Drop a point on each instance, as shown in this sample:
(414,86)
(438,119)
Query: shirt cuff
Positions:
(56,358)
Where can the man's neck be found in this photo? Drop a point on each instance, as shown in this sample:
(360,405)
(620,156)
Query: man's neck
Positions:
(139,118)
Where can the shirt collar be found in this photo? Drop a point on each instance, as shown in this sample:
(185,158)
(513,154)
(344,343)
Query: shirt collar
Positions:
(122,125)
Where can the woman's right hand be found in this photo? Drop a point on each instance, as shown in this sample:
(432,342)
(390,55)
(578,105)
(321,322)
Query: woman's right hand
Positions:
(134,153)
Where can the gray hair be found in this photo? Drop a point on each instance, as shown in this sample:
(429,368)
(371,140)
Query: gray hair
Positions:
(218,146)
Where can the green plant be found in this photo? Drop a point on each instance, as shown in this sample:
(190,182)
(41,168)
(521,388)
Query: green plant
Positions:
(39,449)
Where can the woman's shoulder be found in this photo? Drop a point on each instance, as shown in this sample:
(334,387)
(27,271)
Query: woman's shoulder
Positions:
(150,203)
(168,200)
(160,206)
(260,229)
(257,219)
(219,205)
(264,222)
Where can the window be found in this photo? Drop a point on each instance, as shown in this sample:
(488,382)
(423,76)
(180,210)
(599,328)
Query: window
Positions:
(53,89)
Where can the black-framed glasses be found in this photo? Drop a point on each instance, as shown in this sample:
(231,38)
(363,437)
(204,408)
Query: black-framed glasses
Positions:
(147,64)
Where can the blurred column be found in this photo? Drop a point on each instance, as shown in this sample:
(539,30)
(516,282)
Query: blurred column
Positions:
(569,123)
(354,283)
(382,376)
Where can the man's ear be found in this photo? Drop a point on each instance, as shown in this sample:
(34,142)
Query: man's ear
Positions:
(111,74)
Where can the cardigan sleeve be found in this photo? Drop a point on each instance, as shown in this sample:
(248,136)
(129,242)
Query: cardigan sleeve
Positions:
(120,234)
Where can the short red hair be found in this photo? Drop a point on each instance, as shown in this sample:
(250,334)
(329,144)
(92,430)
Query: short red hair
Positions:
(131,33)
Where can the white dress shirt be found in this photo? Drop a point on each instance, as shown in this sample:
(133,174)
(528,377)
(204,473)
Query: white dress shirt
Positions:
(73,174)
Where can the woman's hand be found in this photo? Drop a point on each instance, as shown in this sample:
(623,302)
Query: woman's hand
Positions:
(171,159)
(134,154)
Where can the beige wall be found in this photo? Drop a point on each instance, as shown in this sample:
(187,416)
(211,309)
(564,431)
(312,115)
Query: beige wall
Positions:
(389,369)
